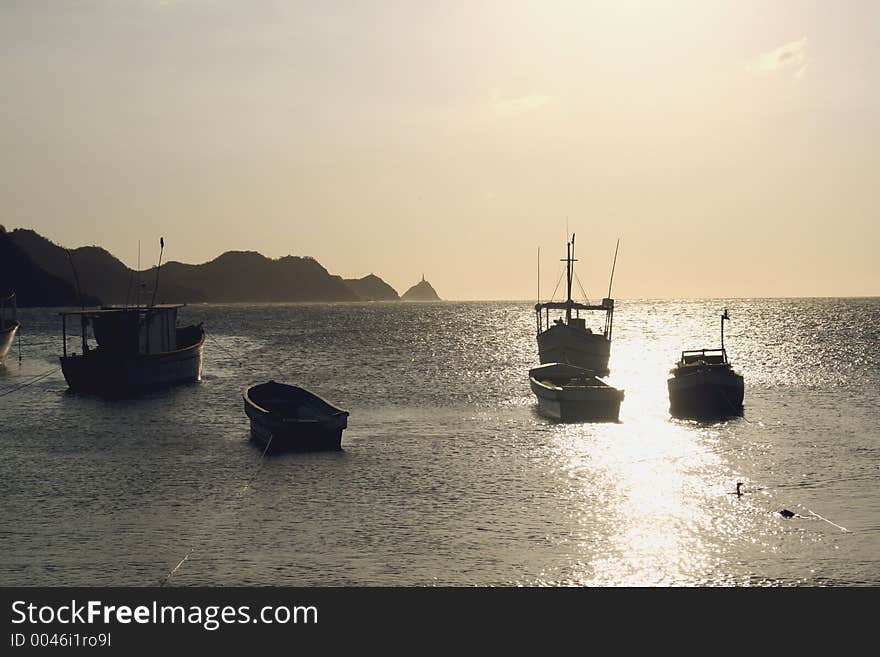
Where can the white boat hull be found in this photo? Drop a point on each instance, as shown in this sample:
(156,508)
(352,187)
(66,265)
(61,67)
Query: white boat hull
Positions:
(572,402)
(7,337)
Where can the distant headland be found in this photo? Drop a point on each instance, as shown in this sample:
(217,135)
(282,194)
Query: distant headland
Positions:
(43,273)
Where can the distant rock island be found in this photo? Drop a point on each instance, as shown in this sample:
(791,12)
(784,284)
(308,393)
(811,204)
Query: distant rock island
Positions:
(42,274)
(421,291)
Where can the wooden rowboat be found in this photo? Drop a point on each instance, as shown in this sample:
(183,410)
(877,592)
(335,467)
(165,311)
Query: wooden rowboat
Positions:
(286,417)
(569,393)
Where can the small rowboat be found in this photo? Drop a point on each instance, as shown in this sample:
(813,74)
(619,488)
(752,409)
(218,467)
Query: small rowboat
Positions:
(285,417)
(569,393)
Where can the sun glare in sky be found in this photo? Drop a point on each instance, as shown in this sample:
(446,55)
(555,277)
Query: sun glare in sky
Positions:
(730,145)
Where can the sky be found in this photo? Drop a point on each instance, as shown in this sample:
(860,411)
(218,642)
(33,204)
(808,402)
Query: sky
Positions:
(733,147)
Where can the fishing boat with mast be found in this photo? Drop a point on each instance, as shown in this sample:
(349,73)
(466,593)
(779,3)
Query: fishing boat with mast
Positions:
(9,325)
(137,347)
(567,339)
(704,384)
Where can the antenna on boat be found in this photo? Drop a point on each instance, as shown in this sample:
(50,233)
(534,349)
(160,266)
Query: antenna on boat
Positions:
(75,279)
(156,286)
(723,317)
(138,302)
(568,267)
(613,265)
(539,274)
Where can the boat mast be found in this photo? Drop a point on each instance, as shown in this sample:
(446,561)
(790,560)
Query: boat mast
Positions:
(138,302)
(568,270)
(613,265)
(75,280)
(159,266)
(539,275)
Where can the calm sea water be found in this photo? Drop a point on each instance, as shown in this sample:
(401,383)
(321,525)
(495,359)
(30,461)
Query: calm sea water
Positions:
(448,476)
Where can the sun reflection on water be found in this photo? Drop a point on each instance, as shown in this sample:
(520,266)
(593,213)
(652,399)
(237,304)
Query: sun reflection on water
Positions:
(656,493)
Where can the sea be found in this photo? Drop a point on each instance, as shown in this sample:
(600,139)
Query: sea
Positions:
(448,475)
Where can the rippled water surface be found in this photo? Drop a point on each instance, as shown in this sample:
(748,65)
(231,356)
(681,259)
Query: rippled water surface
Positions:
(448,475)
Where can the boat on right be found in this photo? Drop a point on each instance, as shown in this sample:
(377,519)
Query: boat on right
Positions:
(704,384)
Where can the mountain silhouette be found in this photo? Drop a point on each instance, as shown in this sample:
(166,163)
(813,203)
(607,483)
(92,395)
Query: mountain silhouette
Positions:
(371,288)
(33,286)
(230,277)
(100,274)
(250,276)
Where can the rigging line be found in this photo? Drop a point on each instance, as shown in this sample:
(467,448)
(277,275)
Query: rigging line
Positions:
(34,380)
(584,292)
(238,498)
(558,281)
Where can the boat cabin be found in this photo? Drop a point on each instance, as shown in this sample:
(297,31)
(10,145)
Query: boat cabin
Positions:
(703,357)
(572,315)
(572,309)
(140,330)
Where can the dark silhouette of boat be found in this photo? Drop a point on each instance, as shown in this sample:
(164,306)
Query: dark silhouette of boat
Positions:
(568,339)
(704,384)
(137,348)
(573,394)
(285,417)
(9,326)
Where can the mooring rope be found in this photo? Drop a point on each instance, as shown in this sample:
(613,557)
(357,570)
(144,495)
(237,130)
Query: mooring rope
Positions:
(785,513)
(740,412)
(226,350)
(843,529)
(31,382)
(241,493)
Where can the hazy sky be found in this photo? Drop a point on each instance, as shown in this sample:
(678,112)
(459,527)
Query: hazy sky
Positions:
(733,146)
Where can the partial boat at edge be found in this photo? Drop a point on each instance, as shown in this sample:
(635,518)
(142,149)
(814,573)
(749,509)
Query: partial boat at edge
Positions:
(9,326)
